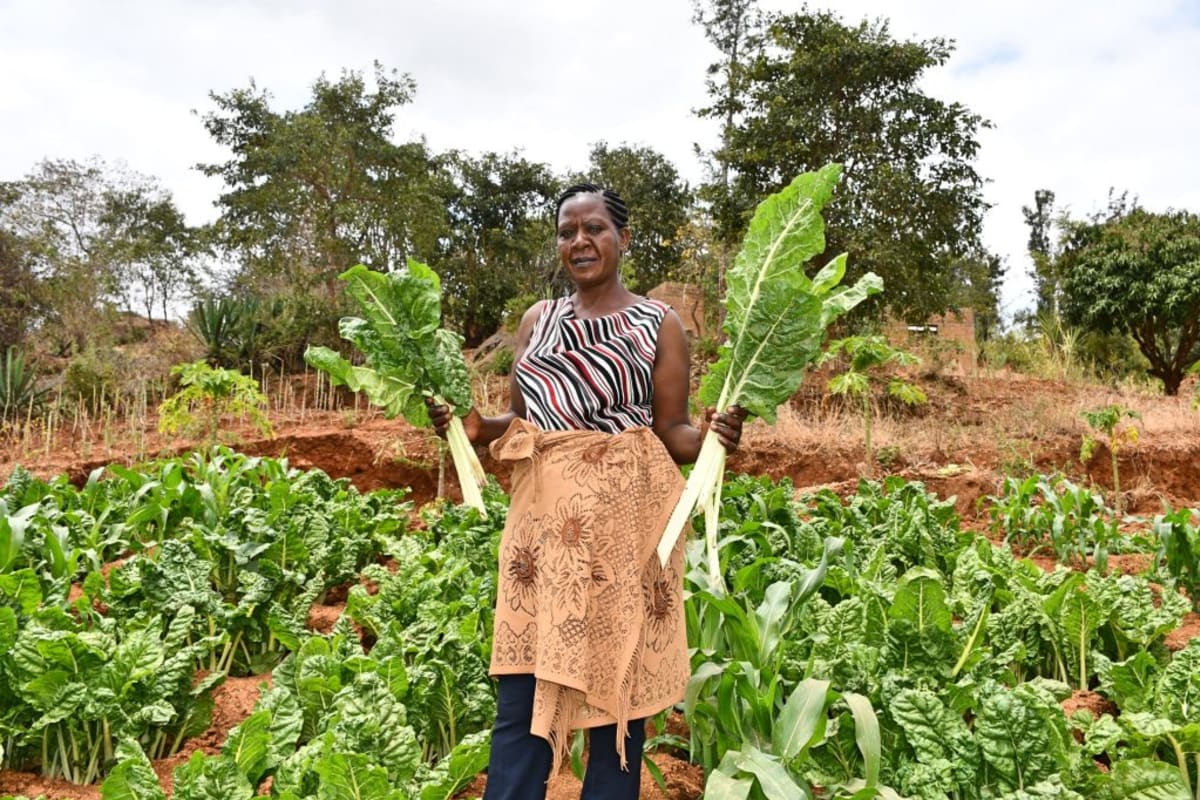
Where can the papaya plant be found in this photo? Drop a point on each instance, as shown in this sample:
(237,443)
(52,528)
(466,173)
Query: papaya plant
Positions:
(208,395)
(1110,422)
(864,357)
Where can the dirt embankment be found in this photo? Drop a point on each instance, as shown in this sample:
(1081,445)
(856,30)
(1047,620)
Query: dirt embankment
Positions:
(970,434)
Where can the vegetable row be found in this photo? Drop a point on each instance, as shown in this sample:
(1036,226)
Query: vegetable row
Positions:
(862,647)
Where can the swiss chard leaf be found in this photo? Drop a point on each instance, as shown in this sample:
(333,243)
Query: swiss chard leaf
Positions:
(352,777)
(775,316)
(456,770)
(1178,695)
(1143,779)
(204,777)
(132,778)
(407,352)
(1015,740)
(249,746)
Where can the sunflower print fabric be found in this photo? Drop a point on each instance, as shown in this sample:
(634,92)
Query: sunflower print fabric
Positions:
(583,603)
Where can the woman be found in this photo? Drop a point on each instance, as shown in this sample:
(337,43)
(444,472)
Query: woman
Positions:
(589,628)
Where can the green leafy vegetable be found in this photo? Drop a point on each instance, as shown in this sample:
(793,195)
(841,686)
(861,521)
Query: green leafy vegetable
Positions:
(408,355)
(775,319)
(133,778)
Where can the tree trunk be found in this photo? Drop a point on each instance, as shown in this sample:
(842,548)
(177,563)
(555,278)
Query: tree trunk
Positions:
(1171,379)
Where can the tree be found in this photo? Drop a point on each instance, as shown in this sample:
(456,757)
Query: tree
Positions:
(734,28)
(56,212)
(313,191)
(152,245)
(815,91)
(981,275)
(658,202)
(93,237)
(500,240)
(1040,219)
(17,287)
(309,193)
(1138,271)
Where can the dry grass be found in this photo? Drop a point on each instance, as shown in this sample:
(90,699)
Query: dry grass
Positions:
(125,427)
(1004,421)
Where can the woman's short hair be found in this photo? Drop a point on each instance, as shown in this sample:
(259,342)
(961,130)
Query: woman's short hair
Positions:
(612,201)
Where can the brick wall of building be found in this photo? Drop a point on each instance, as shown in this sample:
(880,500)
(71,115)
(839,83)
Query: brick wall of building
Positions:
(949,338)
(688,303)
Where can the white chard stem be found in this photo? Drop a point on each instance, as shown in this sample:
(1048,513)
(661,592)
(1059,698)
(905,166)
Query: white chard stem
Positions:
(701,484)
(712,522)
(466,465)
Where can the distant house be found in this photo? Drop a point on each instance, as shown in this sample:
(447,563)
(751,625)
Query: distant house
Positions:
(951,337)
(688,302)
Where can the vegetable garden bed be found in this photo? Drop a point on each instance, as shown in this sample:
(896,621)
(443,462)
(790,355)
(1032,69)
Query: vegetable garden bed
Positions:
(376,454)
(201,573)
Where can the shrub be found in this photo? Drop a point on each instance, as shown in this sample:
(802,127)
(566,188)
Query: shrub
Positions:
(515,308)
(1010,351)
(214,321)
(938,353)
(234,331)
(502,361)
(95,376)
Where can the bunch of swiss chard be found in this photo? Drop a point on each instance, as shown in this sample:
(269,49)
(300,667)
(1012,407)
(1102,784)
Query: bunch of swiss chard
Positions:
(258,544)
(439,596)
(408,355)
(775,320)
(963,651)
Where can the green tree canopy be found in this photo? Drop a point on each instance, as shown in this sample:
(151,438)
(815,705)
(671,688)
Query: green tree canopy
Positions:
(1137,271)
(1041,222)
(57,214)
(155,248)
(16,292)
(310,192)
(815,90)
(659,203)
(89,238)
(500,244)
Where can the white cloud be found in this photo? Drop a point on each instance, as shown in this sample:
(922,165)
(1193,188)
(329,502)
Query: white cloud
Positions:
(1083,96)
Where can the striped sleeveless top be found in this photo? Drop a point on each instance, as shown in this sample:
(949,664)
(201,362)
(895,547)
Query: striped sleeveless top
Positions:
(591,374)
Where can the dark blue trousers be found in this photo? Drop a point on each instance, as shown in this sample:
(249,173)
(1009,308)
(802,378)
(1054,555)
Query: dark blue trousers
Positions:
(519,765)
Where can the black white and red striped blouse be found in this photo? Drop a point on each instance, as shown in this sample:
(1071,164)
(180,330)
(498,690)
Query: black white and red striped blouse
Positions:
(591,374)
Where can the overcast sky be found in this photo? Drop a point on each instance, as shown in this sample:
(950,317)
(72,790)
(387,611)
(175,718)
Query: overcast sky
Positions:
(1083,96)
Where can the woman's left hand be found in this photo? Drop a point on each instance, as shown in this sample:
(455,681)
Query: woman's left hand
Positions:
(727,426)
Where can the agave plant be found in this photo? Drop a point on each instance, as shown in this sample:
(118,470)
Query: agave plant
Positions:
(216,323)
(19,394)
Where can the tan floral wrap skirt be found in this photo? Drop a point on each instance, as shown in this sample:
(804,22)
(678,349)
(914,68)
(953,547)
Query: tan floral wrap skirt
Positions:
(583,603)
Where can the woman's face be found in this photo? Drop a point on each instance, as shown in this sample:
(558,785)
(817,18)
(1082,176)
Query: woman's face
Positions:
(589,243)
